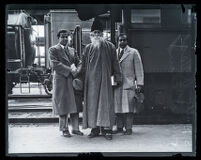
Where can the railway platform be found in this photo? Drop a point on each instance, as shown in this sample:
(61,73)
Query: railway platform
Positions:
(46,139)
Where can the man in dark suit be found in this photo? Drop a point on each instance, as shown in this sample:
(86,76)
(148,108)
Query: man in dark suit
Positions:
(65,67)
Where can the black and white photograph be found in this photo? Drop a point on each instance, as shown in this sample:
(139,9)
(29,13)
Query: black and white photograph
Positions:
(114,79)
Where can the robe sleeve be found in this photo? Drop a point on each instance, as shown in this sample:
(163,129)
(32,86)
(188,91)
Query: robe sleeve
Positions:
(83,64)
(116,70)
(57,65)
(139,72)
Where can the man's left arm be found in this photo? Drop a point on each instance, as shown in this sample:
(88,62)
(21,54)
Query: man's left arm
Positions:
(116,67)
(139,71)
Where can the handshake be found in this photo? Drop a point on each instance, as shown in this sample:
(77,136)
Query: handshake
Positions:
(73,69)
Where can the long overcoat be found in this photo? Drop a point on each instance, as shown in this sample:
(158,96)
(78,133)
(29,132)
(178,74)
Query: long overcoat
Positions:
(99,64)
(132,70)
(63,97)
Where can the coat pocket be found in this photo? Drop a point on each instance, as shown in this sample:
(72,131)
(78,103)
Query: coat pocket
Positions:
(128,83)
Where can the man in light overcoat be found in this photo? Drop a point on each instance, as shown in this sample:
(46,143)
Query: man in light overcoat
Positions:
(133,80)
(65,66)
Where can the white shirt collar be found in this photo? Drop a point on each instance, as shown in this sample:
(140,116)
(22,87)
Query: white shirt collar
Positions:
(62,46)
(120,49)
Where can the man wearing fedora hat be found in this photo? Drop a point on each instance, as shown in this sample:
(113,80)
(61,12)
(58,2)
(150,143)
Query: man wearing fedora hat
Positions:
(65,67)
(99,63)
(128,95)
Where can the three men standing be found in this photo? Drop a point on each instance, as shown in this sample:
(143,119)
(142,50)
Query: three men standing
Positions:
(99,63)
(133,81)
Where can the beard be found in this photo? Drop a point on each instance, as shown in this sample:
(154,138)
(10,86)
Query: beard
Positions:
(96,40)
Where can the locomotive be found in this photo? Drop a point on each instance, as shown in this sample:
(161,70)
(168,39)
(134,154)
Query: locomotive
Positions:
(20,50)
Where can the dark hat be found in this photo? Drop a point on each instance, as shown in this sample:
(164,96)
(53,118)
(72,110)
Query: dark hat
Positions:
(77,84)
(97,25)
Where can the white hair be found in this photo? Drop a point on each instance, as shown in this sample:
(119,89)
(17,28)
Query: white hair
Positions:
(96,40)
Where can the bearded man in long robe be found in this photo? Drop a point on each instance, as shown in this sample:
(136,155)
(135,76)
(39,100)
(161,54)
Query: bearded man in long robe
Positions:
(99,63)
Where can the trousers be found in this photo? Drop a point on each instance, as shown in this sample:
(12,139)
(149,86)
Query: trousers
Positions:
(124,120)
(63,121)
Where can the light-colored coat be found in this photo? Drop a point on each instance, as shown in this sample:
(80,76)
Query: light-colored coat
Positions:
(132,70)
(63,98)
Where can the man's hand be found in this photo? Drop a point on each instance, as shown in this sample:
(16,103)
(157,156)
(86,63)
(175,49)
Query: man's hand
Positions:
(139,89)
(73,69)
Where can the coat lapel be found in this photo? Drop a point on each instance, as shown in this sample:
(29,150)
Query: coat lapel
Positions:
(126,53)
(64,54)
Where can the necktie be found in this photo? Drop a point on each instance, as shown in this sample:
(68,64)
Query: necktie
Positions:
(68,54)
(121,53)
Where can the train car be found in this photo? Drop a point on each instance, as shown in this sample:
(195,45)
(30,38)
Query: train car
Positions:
(21,52)
(165,36)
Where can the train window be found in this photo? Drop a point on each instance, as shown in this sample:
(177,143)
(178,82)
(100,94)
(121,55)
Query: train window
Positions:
(42,63)
(40,56)
(39,30)
(39,61)
(41,51)
(36,61)
(146,16)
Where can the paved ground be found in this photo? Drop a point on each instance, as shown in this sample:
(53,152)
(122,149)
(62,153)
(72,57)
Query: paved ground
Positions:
(45,138)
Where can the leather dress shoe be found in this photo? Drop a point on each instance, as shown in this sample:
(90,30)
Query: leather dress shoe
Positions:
(77,133)
(66,133)
(108,136)
(119,130)
(128,132)
(92,135)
